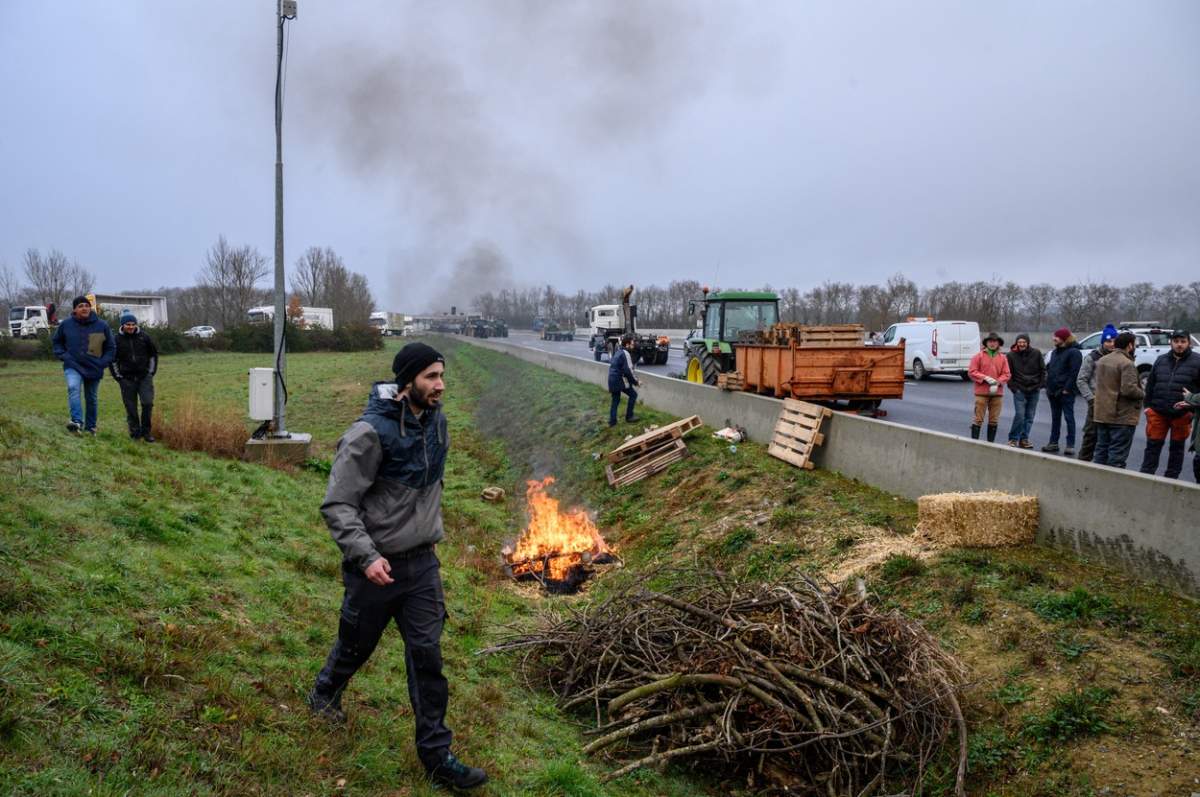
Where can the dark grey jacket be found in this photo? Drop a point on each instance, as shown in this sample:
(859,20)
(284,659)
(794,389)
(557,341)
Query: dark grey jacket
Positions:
(385,485)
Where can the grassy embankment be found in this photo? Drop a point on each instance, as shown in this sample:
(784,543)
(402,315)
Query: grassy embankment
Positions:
(163,612)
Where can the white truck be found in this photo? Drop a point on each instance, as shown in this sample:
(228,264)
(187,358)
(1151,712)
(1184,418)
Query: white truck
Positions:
(151,311)
(935,347)
(27,321)
(309,316)
(389,323)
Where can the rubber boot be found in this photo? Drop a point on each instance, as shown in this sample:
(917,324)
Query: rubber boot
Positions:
(1175,458)
(147,414)
(1150,458)
(974,432)
(991,434)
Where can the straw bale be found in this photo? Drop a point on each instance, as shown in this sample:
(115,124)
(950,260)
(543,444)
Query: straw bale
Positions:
(977,520)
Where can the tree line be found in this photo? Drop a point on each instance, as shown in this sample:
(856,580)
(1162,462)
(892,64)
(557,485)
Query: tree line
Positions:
(230,281)
(1007,306)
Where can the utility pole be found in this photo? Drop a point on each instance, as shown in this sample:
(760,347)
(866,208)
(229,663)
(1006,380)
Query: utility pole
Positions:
(285,10)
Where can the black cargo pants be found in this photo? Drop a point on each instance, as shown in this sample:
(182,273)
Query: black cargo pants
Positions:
(133,390)
(415,601)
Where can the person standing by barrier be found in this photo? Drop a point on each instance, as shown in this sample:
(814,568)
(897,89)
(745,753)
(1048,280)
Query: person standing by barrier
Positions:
(85,345)
(1085,383)
(134,367)
(1191,401)
(1118,402)
(1172,373)
(989,371)
(1028,369)
(621,380)
(1061,374)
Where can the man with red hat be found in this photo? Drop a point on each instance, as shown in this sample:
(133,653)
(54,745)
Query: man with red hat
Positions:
(1061,374)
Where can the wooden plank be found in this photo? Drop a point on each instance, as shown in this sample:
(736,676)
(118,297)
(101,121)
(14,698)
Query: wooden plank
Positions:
(789,456)
(640,443)
(619,472)
(797,432)
(647,467)
(801,419)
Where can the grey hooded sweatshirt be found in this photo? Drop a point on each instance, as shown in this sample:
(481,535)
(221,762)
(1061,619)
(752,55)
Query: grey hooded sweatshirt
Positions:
(385,485)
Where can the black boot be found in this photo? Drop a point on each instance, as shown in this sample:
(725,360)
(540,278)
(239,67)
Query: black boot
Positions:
(457,775)
(974,431)
(147,414)
(1150,458)
(1175,458)
(328,708)
(991,434)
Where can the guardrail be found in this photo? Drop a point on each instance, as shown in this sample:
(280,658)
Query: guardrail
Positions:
(1145,525)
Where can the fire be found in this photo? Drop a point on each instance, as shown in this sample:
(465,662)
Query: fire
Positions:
(554,541)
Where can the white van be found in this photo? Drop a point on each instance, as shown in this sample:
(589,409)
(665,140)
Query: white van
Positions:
(935,347)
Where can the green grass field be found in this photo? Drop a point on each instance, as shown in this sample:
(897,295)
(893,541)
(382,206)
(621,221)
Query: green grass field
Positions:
(162,613)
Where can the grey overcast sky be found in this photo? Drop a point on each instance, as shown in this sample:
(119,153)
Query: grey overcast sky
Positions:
(585,142)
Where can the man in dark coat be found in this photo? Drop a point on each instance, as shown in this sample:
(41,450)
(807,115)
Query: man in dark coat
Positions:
(134,367)
(1061,374)
(1028,377)
(85,345)
(384,510)
(621,380)
(1172,373)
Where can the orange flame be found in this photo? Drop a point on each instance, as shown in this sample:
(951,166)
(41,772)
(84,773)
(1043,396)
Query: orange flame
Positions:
(554,541)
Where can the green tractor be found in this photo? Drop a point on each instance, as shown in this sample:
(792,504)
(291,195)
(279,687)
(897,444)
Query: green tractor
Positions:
(724,316)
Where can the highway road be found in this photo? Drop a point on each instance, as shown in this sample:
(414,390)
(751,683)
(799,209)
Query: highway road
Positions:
(940,403)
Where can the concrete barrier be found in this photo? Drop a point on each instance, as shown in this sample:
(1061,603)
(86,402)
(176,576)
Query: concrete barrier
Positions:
(1145,525)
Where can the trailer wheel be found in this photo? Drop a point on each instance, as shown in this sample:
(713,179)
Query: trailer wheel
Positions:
(702,367)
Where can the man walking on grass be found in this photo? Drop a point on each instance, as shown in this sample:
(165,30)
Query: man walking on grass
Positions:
(384,510)
(621,380)
(990,372)
(133,367)
(1118,402)
(85,345)
(1085,383)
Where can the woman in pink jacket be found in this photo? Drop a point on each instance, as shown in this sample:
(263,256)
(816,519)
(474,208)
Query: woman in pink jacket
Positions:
(990,373)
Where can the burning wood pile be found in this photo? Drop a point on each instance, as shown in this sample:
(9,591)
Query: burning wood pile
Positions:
(557,548)
(799,687)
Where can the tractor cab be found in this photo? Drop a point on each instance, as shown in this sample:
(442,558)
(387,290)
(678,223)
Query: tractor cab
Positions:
(724,317)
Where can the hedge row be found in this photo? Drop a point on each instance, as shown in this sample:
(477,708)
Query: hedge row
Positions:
(250,338)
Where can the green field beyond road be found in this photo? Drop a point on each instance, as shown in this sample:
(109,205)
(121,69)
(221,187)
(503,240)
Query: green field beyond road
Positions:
(163,613)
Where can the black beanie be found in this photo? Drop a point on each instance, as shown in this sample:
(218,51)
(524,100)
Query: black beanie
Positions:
(78,300)
(412,360)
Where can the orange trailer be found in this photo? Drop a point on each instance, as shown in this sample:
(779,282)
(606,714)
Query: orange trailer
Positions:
(859,374)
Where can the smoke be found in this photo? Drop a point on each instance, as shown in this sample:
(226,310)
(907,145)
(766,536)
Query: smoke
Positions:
(484,124)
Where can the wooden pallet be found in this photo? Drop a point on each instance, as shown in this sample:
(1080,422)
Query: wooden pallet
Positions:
(635,447)
(732,380)
(656,459)
(798,432)
(832,335)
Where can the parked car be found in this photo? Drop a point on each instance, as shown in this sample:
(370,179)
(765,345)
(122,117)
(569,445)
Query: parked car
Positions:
(200,332)
(1152,342)
(935,347)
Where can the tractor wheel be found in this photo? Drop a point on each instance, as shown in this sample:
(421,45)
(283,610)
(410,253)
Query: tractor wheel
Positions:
(702,367)
(661,358)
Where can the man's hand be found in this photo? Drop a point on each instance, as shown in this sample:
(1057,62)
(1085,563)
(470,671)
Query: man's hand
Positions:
(1182,405)
(377,572)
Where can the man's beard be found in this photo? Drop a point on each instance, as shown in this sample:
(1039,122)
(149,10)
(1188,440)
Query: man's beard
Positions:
(423,399)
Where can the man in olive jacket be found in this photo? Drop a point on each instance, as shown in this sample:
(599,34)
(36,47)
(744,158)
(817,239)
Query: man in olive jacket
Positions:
(384,510)
(1118,402)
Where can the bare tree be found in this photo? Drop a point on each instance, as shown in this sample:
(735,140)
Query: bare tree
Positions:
(1136,300)
(310,280)
(12,293)
(230,276)
(1038,301)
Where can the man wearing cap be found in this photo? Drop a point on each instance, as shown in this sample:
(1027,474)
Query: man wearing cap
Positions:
(134,367)
(1085,383)
(989,371)
(383,507)
(1061,373)
(85,345)
(1173,372)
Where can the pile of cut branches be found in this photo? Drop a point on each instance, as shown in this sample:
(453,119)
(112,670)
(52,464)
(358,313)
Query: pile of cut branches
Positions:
(802,687)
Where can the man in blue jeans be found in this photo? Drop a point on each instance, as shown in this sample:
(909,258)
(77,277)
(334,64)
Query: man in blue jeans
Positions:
(1061,373)
(1028,377)
(85,345)
(621,380)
